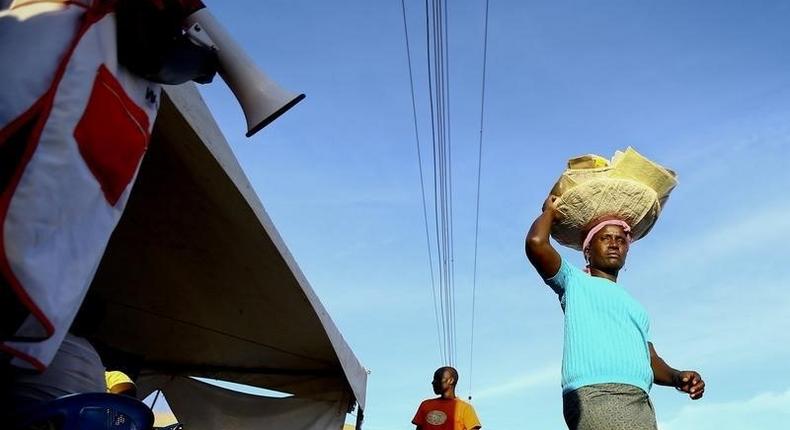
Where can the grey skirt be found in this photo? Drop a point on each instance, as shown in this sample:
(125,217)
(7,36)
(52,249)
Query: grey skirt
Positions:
(608,407)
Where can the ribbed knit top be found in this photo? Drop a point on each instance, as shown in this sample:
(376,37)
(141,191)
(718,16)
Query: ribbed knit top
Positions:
(606,332)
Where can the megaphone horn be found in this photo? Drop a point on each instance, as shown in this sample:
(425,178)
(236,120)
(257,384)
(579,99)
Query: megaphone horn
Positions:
(261,99)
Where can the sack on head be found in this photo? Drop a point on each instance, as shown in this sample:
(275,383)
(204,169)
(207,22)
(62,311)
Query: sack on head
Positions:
(629,187)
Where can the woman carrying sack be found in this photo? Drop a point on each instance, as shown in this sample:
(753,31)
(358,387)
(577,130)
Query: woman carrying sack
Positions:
(608,363)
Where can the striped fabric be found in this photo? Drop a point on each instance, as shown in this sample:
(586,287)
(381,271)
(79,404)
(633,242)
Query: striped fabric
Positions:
(606,332)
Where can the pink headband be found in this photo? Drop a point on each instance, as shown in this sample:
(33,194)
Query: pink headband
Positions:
(601,225)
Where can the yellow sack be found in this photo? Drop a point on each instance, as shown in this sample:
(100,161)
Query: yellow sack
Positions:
(629,187)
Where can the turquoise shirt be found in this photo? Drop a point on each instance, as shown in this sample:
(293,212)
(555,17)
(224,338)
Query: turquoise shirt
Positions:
(606,332)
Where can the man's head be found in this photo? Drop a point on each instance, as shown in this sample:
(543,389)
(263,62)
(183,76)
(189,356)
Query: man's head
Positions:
(606,246)
(444,380)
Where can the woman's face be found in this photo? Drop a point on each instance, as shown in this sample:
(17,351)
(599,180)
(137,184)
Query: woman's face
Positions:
(608,249)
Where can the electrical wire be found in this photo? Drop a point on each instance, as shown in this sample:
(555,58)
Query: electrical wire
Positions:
(477,204)
(422,180)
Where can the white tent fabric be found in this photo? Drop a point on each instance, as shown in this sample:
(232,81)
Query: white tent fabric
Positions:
(197,281)
(201,406)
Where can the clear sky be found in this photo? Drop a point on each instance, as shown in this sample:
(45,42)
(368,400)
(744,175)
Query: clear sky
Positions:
(702,87)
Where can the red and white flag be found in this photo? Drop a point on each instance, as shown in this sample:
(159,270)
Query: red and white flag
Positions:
(74,126)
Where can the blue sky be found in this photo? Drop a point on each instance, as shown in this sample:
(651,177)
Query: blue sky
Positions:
(701,87)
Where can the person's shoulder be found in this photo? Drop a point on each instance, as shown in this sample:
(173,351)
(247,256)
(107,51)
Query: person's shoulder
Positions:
(565,274)
(428,402)
(570,268)
(464,404)
(468,415)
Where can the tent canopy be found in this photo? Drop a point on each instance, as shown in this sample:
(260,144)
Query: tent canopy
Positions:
(196,280)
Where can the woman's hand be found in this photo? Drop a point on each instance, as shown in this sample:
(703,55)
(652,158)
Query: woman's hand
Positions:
(689,381)
(551,205)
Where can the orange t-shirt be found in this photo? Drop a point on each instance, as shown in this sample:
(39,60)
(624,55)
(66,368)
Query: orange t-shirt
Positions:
(446,414)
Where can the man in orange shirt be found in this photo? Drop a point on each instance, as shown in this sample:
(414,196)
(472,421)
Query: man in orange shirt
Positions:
(446,412)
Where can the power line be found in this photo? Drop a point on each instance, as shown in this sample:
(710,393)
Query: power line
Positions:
(439,96)
(451,249)
(438,89)
(437,174)
(477,204)
(422,180)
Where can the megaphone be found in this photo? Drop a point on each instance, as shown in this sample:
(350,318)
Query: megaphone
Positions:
(261,99)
